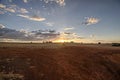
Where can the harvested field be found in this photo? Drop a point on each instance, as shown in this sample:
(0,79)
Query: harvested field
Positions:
(59,62)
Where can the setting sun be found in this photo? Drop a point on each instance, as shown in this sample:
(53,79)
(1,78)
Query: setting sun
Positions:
(62,41)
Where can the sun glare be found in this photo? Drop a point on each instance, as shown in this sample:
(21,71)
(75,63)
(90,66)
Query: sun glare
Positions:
(62,41)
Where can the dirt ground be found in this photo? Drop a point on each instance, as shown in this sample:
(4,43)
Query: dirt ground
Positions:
(81,62)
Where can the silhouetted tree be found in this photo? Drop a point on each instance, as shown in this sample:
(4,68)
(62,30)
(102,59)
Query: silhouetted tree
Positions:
(99,42)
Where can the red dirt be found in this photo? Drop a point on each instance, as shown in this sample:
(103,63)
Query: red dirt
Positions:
(65,63)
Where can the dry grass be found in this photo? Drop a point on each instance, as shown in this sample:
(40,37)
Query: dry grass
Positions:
(61,62)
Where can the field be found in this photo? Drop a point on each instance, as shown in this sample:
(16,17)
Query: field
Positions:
(68,61)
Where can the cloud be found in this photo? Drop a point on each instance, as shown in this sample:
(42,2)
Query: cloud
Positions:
(2,26)
(25,1)
(60,2)
(70,36)
(2,6)
(68,33)
(9,8)
(7,34)
(1,12)
(68,28)
(34,17)
(10,0)
(90,20)
(92,36)
(12,9)
(49,23)
(22,10)
(46,34)
(11,34)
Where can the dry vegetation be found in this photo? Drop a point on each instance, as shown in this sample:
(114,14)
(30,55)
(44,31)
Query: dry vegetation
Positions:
(61,62)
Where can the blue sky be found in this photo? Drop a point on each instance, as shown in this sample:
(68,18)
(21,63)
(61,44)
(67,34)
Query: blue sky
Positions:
(71,20)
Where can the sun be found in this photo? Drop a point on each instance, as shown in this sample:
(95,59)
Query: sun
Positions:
(60,41)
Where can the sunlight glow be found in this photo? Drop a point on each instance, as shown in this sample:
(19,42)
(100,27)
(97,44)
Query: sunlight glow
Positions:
(63,41)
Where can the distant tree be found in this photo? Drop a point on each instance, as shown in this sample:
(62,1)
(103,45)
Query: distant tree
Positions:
(81,43)
(72,42)
(99,42)
(116,44)
(50,42)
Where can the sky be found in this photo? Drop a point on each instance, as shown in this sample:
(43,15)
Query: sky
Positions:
(88,21)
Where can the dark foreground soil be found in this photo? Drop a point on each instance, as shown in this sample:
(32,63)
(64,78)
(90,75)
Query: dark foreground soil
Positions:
(65,63)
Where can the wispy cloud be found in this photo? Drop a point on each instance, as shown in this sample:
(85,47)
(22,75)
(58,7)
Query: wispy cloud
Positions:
(22,10)
(2,26)
(2,6)
(10,0)
(12,9)
(1,12)
(34,17)
(70,36)
(60,2)
(25,1)
(49,23)
(69,28)
(90,20)
(92,36)
(5,8)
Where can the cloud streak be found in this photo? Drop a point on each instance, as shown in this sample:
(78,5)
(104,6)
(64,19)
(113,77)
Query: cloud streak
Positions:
(34,17)
(68,28)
